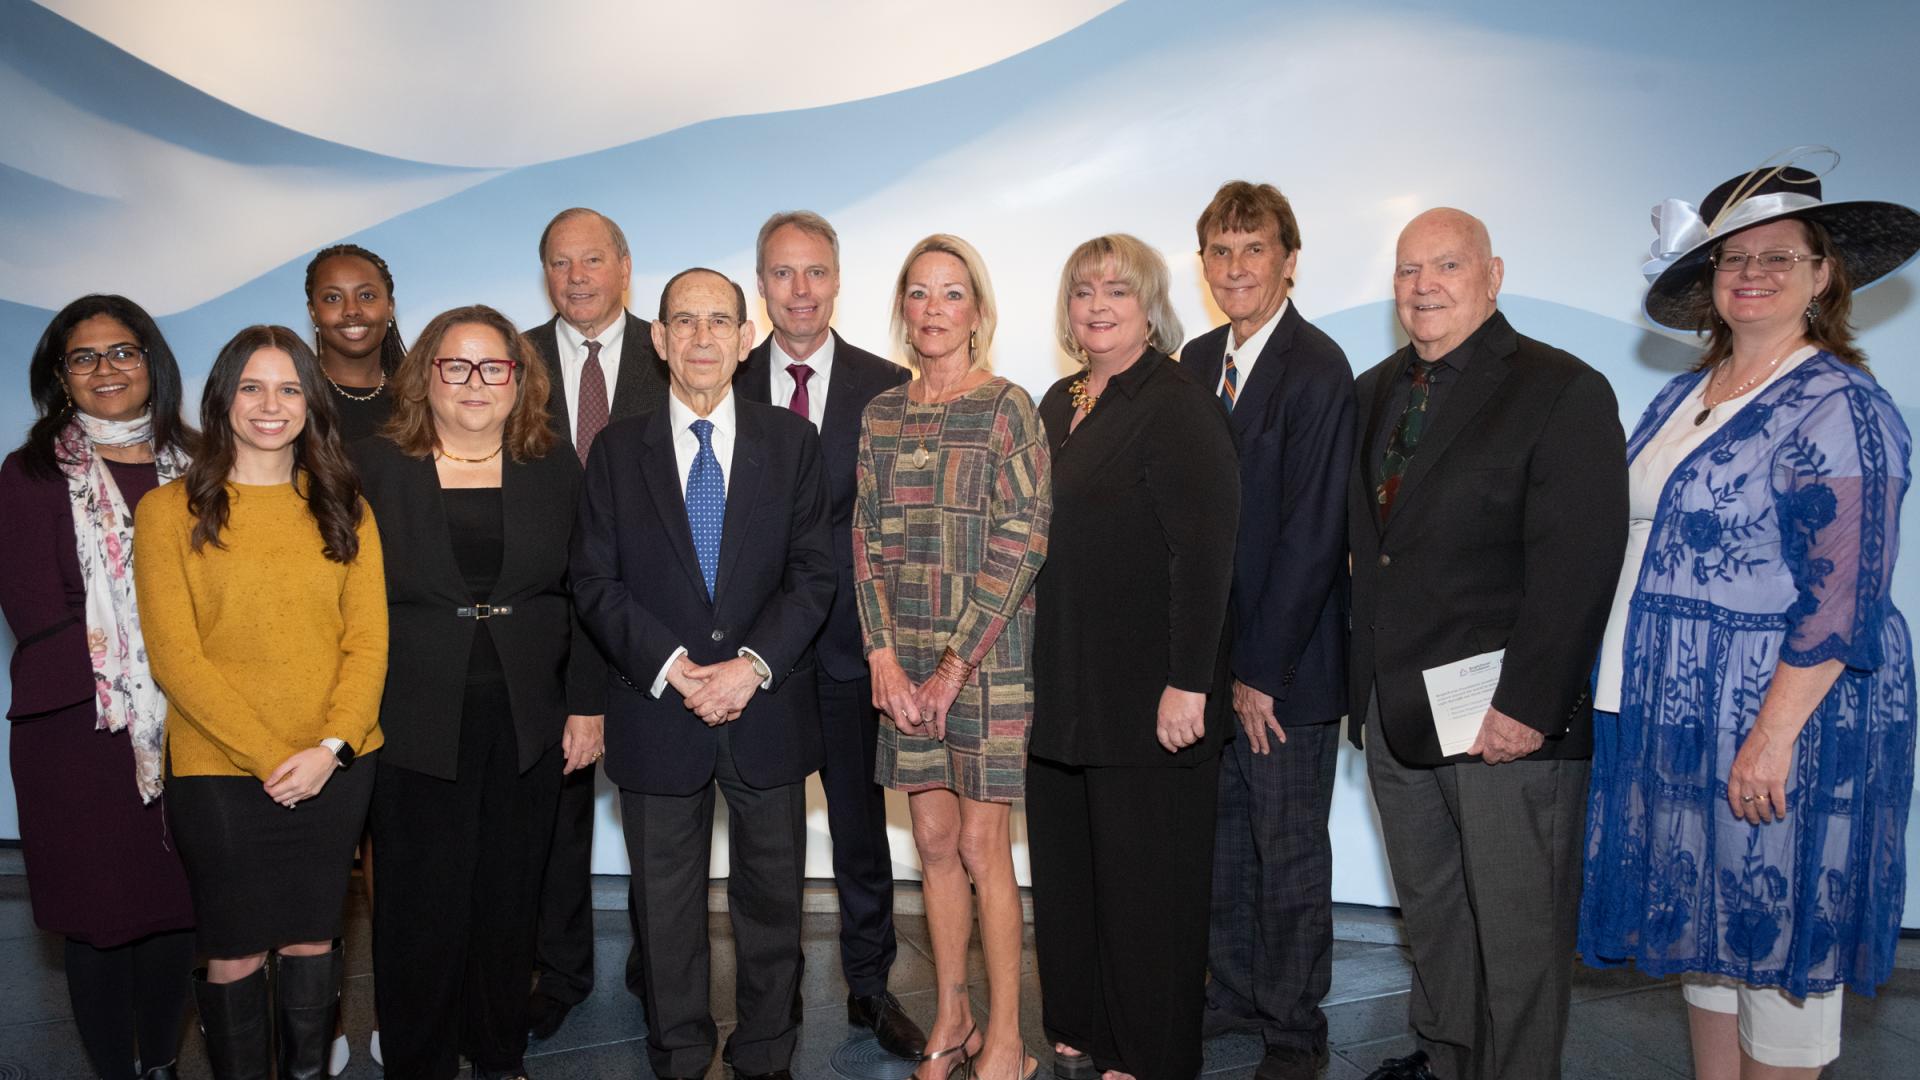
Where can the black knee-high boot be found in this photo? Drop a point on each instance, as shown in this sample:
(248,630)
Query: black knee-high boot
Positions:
(306,1000)
(233,1016)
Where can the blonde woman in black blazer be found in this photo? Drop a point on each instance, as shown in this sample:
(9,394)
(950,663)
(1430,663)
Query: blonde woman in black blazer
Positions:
(493,692)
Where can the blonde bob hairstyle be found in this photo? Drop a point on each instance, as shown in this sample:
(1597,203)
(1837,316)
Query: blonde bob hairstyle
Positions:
(1129,260)
(411,428)
(980,345)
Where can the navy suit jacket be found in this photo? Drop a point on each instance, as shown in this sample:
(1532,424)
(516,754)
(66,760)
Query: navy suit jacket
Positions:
(858,377)
(640,594)
(1293,424)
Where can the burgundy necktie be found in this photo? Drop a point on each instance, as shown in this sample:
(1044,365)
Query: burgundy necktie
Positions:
(594,412)
(800,403)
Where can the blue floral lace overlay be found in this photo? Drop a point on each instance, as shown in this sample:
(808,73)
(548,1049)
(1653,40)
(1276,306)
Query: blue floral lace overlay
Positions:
(1774,543)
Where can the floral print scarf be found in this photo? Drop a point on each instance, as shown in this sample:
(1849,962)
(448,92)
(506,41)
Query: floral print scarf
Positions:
(123,686)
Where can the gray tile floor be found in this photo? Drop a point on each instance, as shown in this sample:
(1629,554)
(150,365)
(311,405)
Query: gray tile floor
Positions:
(1623,1026)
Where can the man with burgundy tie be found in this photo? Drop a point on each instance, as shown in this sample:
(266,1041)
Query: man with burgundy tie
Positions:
(703,568)
(1487,511)
(1288,391)
(603,367)
(805,366)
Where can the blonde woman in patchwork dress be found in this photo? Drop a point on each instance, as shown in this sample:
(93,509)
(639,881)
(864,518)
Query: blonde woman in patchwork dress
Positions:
(949,529)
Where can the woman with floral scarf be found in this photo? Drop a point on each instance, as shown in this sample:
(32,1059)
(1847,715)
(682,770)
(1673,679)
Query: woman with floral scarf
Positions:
(89,722)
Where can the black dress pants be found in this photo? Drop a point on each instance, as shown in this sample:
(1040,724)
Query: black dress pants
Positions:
(459,865)
(669,841)
(1122,876)
(857,822)
(564,949)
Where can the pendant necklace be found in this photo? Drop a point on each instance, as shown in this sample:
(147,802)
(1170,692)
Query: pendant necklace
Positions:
(921,456)
(1707,409)
(342,391)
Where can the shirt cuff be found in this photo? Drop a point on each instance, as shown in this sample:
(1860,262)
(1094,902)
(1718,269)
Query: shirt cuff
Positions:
(766,683)
(660,681)
(335,745)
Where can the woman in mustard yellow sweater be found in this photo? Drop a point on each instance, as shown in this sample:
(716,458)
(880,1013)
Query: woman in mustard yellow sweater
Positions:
(261,591)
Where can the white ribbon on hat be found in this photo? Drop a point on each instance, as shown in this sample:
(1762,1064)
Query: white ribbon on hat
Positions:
(1682,230)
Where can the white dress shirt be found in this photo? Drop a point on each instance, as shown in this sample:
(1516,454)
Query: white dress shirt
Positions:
(573,360)
(780,384)
(1247,354)
(686,446)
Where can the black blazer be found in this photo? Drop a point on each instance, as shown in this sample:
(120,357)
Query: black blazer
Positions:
(642,386)
(1508,532)
(1293,425)
(858,376)
(1146,500)
(641,597)
(551,669)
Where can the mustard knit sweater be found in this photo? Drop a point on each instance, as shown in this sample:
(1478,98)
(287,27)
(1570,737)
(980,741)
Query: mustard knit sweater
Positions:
(264,646)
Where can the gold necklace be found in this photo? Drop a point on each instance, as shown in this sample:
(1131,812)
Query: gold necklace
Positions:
(342,391)
(1077,390)
(472,460)
(921,455)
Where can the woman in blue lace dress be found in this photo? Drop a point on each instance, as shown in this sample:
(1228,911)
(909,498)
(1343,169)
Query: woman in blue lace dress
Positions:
(1754,728)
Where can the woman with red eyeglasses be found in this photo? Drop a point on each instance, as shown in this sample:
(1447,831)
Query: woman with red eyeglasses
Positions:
(494,693)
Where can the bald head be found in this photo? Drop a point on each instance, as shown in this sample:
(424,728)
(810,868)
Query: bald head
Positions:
(1446,280)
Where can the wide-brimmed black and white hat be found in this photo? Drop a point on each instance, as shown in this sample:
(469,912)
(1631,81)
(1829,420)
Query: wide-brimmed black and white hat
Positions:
(1875,238)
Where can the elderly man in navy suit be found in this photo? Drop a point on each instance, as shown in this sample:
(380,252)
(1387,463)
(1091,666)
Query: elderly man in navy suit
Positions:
(804,366)
(1289,393)
(703,567)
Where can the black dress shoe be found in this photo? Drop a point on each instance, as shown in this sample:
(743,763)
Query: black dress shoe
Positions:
(881,1013)
(545,1015)
(1411,1067)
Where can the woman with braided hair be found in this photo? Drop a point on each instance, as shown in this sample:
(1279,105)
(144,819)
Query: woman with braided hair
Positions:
(350,300)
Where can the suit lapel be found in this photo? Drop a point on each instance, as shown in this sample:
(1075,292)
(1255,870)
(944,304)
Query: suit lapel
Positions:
(743,483)
(846,395)
(1269,371)
(1484,374)
(430,504)
(1202,360)
(662,473)
(636,358)
(754,380)
(518,502)
(546,342)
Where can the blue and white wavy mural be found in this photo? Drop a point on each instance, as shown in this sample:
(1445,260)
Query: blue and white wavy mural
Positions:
(194,154)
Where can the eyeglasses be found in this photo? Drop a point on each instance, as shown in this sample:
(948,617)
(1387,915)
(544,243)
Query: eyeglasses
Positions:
(120,358)
(684,324)
(1778,261)
(457,372)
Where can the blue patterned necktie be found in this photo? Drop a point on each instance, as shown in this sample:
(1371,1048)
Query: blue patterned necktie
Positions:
(1229,384)
(706,504)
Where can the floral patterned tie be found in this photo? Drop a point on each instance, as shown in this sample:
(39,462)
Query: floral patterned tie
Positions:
(1405,437)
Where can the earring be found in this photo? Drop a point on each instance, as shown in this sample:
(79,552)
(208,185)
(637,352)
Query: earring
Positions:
(1813,311)
(68,391)
(973,341)
(317,345)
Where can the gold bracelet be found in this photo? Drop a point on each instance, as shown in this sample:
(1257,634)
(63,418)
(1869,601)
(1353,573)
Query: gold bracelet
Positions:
(953,669)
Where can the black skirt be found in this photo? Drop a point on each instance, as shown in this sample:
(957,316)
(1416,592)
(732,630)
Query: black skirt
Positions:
(264,876)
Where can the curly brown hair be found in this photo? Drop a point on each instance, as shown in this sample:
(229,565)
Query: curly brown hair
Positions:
(528,435)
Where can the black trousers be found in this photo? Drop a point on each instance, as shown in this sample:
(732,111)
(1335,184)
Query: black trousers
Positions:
(857,822)
(669,841)
(1122,873)
(564,949)
(130,1001)
(459,864)
(1270,943)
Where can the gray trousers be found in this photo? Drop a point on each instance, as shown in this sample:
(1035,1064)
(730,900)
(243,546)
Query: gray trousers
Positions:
(1486,859)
